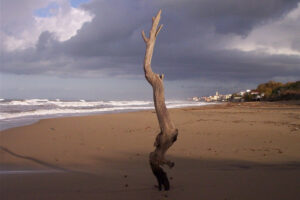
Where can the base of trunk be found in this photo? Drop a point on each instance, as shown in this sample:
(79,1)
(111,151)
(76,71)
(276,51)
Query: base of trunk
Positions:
(161,176)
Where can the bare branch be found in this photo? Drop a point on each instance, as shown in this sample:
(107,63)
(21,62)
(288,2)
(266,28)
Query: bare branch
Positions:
(162,76)
(159,28)
(168,135)
(144,37)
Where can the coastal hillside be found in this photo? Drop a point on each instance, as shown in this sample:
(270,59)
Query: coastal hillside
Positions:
(279,91)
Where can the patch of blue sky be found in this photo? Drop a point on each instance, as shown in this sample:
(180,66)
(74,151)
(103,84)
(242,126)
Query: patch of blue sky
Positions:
(48,11)
(77,3)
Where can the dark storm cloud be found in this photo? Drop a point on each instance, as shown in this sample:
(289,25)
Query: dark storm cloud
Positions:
(232,16)
(235,65)
(190,46)
(117,25)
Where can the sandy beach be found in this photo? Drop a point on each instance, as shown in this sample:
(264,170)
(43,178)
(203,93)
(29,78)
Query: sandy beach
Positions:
(232,151)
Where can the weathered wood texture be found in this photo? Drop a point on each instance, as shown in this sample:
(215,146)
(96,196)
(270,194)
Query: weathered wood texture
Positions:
(168,134)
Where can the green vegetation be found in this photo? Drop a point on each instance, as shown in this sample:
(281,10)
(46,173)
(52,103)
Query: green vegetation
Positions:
(268,88)
(275,91)
(248,96)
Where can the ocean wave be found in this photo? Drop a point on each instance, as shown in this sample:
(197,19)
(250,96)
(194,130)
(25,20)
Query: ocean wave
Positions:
(26,102)
(44,112)
(80,103)
(15,109)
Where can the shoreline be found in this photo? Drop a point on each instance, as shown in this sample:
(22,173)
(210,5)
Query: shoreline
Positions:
(242,150)
(31,120)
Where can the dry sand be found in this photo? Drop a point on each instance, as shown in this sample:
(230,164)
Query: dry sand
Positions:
(230,151)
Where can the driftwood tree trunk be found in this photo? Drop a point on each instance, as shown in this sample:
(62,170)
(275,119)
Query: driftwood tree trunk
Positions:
(168,134)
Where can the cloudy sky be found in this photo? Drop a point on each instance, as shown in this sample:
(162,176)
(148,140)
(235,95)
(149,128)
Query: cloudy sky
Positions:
(92,49)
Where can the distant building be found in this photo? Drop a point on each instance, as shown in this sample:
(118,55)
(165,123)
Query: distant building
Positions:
(195,98)
(216,97)
(242,93)
(256,96)
(247,95)
(237,99)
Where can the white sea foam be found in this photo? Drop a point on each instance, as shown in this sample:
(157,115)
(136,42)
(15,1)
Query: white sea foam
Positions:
(45,108)
(27,102)
(43,112)
(80,103)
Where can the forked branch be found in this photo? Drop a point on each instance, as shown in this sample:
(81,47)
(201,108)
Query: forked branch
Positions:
(168,134)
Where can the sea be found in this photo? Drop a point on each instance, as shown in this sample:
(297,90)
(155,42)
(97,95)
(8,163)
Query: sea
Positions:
(20,112)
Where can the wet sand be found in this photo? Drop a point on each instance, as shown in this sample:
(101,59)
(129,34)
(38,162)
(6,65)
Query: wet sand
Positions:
(228,151)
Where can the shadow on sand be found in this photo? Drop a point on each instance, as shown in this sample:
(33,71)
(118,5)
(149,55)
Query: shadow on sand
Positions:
(131,178)
(34,160)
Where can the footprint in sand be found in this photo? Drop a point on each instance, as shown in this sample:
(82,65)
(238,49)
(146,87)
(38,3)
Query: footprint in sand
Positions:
(278,151)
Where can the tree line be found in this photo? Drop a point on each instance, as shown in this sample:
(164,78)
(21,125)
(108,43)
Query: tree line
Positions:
(272,91)
(275,91)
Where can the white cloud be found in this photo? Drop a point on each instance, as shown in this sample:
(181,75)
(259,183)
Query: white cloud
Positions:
(64,25)
(277,37)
